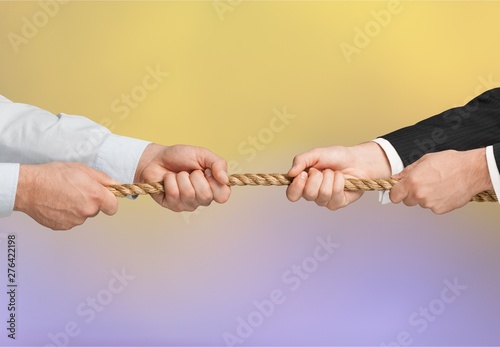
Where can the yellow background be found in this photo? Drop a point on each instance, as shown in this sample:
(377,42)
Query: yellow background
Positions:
(227,75)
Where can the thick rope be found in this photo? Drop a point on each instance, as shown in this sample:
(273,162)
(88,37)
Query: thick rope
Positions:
(351,184)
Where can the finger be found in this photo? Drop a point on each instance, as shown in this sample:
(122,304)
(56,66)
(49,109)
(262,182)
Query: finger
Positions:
(215,163)
(403,173)
(326,188)
(109,202)
(201,187)
(220,191)
(410,201)
(303,161)
(102,178)
(172,195)
(338,199)
(296,188)
(187,193)
(399,192)
(311,190)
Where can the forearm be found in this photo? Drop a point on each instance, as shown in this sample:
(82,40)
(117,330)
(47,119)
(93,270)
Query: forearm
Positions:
(370,157)
(30,135)
(474,125)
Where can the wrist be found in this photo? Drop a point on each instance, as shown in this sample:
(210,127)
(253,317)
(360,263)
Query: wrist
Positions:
(148,155)
(25,186)
(477,166)
(372,158)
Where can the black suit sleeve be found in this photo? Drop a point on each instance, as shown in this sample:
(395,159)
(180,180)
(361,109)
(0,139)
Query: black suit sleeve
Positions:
(475,125)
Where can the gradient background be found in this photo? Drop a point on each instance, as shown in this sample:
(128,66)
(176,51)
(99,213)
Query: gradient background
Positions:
(195,274)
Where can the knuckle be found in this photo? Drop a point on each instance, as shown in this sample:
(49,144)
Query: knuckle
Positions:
(325,193)
(79,221)
(334,207)
(413,180)
(59,227)
(438,211)
(206,203)
(86,210)
(427,204)
(321,201)
(420,196)
(174,208)
(222,198)
(190,208)
(337,189)
(205,196)
(309,196)
(173,195)
(188,195)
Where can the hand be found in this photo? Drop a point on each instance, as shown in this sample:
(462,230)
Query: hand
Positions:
(192,176)
(63,195)
(443,181)
(323,182)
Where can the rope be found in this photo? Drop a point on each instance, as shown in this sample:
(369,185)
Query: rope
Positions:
(351,184)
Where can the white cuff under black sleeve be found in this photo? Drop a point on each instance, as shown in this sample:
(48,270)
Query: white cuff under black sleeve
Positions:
(493,169)
(394,161)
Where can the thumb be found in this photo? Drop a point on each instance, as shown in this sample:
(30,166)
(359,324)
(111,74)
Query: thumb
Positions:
(403,173)
(108,202)
(103,178)
(218,165)
(304,161)
(401,190)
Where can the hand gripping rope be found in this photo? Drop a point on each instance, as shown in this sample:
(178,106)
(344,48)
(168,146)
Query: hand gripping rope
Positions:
(351,184)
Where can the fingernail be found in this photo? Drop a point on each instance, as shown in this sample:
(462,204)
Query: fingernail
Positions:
(303,175)
(208,173)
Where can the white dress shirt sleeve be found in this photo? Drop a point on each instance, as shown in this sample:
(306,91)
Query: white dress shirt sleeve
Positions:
(493,170)
(9,174)
(394,161)
(30,135)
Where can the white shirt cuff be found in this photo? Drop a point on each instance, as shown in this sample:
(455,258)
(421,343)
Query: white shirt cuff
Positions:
(9,175)
(394,161)
(4,99)
(493,169)
(118,157)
